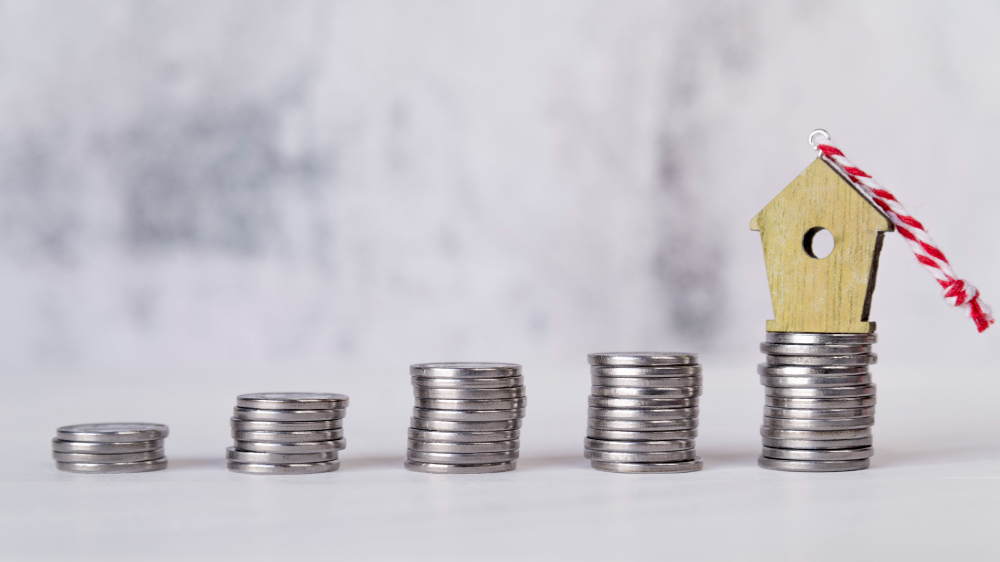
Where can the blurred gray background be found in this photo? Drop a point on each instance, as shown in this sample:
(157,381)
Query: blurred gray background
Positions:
(327,186)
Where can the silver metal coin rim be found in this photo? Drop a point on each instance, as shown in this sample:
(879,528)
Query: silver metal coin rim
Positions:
(465,426)
(281,401)
(835,424)
(287,436)
(646,372)
(291,448)
(429,414)
(693,465)
(298,469)
(464,447)
(819,403)
(629,435)
(465,369)
(642,414)
(642,358)
(646,457)
(639,425)
(256,457)
(470,393)
(112,468)
(434,436)
(438,468)
(812,466)
(818,413)
(818,445)
(610,445)
(467,383)
(822,360)
(659,382)
(818,454)
(819,393)
(462,458)
(268,425)
(816,434)
(641,403)
(816,382)
(109,458)
(813,350)
(99,448)
(91,433)
(258,414)
(766,370)
(805,338)
(645,392)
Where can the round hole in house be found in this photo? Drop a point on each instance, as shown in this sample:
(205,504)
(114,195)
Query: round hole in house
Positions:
(818,242)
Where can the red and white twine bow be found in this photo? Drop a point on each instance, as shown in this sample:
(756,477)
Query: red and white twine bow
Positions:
(957,292)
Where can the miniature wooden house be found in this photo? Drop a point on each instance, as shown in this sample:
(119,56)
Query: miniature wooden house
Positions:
(830,294)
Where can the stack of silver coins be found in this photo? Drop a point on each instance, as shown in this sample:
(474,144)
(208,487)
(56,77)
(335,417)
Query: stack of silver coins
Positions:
(287,433)
(643,414)
(819,403)
(466,417)
(110,448)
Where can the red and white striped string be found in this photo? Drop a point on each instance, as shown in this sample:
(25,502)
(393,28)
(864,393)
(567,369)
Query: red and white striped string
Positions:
(957,292)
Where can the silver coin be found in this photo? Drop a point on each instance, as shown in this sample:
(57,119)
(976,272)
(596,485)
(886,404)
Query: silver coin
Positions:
(821,339)
(112,432)
(254,425)
(693,465)
(818,435)
(292,401)
(813,455)
(658,393)
(283,469)
(794,413)
(819,424)
(642,358)
(471,405)
(764,369)
(463,436)
(813,444)
(252,457)
(618,435)
(816,382)
(465,370)
(641,372)
(813,350)
(291,448)
(112,458)
(644,414)
(289,415)
(461,458)
(633,403)
(468,416)
(442,447)
(112,468)
(90,448)
(287,436)
(638,446)
(469,394)
(475,426)
(823,361)
(445,382)
(820,403)
(616,456)
(824,393)
(637,425)
(660,382)
(435,468)
(812,466)
(814,414)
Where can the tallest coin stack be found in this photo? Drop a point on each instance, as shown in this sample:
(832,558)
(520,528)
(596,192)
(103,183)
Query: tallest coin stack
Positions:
(819,403)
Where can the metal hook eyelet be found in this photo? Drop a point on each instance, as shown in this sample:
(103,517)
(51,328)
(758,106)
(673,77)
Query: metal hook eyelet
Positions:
(818,132)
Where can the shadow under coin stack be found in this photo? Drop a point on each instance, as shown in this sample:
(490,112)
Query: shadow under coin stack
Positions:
(643,414)
(287,433)
(819,403)
(466,417)
(110,448)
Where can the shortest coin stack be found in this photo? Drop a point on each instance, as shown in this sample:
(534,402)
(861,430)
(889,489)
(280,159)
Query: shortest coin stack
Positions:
(287,433)
(110,448)
(643,414)
(466,417)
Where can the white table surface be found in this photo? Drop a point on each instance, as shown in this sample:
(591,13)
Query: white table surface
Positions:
(933,491)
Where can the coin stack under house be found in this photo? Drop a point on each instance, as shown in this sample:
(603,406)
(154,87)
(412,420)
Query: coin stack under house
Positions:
(643,414)
(819,403)
(466,417)
(110,448)
(287,433)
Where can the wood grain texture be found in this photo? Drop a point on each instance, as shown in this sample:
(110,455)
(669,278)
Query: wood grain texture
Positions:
(832,294)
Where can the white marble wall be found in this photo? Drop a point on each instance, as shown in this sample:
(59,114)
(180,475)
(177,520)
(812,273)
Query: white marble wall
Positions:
(378,183)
